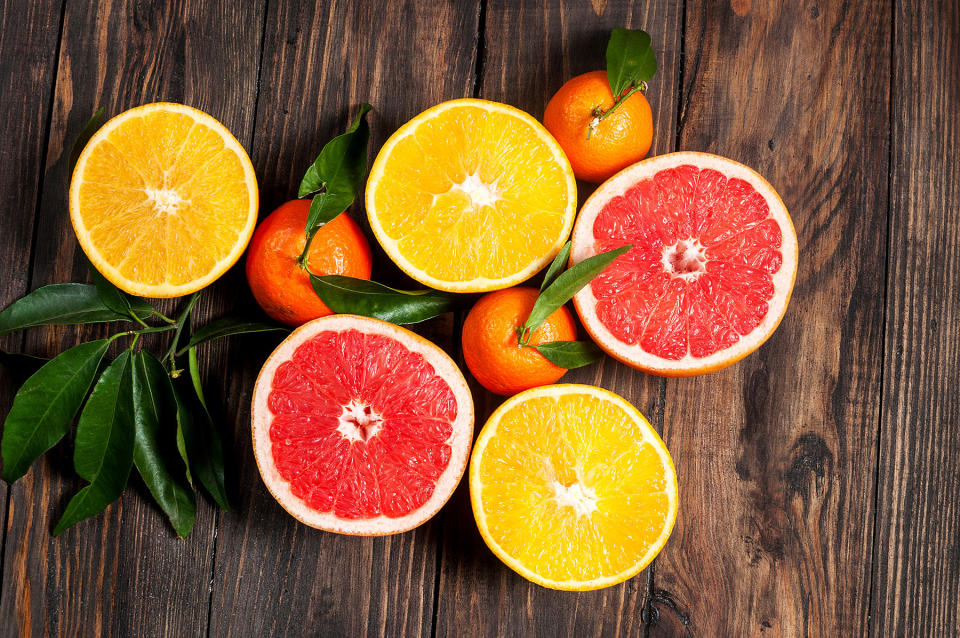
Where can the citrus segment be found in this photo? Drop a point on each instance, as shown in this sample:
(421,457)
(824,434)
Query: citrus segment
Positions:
(360,426)
(471,196)
(572,488)
(163,200)
(710,273)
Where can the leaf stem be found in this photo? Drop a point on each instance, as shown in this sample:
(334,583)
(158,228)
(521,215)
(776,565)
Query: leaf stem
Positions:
(302,259)
(634,88)
(164,318)
(180,322)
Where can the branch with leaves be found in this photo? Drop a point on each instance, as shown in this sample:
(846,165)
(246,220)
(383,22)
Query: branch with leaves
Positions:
(139,412)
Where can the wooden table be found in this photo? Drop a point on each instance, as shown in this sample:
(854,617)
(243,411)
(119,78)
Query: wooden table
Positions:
(819,487)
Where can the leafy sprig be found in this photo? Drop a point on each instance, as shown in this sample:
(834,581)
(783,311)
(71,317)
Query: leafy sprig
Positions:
(132,415)
(631,64)
(559,286)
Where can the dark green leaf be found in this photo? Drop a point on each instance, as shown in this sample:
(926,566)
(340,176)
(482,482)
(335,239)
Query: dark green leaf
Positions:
(201,440)
(225,328)
(630,59)
(103,447)
(91,127)
(342,161)
(570,354)
(59,304)
(566,285)
(153,454)
(368,298)
(117,300)
(46,405)
(559,263)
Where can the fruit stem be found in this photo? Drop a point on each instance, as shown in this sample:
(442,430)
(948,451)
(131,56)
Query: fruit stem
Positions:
(302,259)
(641,87)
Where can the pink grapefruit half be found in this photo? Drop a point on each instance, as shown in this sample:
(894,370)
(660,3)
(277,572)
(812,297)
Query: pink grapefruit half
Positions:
(711,270)
(361,427)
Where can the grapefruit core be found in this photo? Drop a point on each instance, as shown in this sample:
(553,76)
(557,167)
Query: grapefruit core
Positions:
(360,426)
(711,271)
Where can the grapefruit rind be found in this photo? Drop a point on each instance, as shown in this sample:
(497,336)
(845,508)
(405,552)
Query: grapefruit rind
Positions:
(582,241)
(108,270)
(460,440)
(650,436)
(480,284)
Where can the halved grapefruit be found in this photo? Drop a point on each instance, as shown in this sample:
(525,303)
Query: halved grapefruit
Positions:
(712,267)
(361,427)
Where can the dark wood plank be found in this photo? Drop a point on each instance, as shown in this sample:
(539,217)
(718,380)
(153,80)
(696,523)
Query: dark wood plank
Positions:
(275,576)
(29,33)
(531,49)
(916,588)
(777,454)
(124,572)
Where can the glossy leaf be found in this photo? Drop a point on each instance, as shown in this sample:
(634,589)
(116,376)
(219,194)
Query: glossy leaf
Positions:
(556,267)
(154,454)
(226,327)
(61,304)
(570,354)
(630,59)
(46,405)
(368,298)
(103,447)
(201,439)
(342,161)
(117,300)
(567,284)
(91,127)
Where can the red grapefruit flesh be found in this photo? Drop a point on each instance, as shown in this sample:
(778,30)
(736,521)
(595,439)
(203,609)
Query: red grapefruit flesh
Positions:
(360,426)
(711,270)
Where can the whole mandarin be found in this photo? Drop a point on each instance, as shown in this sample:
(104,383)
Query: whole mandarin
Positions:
(279,284)
(491,347)
(598,148)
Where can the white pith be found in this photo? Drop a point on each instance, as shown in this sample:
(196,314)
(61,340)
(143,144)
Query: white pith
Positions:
(577,494)
(690,250)
(358,422)
(479,192)
(165,201)
(460,439)
(582,246)
(480,284)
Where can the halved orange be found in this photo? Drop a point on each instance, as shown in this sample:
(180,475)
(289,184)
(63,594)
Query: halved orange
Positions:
(572,488)
(471,196)
(163,200)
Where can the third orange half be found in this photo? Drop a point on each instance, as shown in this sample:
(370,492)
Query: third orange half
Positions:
(471,196)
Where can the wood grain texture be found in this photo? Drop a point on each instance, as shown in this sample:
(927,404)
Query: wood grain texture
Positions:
(124,572)
(28,43)
(274,576)
(916,588)
(777,454)
(530,50)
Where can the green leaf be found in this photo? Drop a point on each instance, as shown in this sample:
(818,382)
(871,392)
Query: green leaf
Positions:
(368,298)
(117,300)
(566,285)
(630,60)
(225,328)
(338,171)
(46,405)
(103,447)
(91,127)
(342,161)
(570,354)
(154,411)
(201,440)
(60,304)
(559,263)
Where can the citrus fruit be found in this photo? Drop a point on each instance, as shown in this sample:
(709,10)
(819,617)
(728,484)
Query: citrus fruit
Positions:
(710,273)
(572,488)
(598,148)
(471,196)
(360,426)
(163,200)
(491,347)
(279,284)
